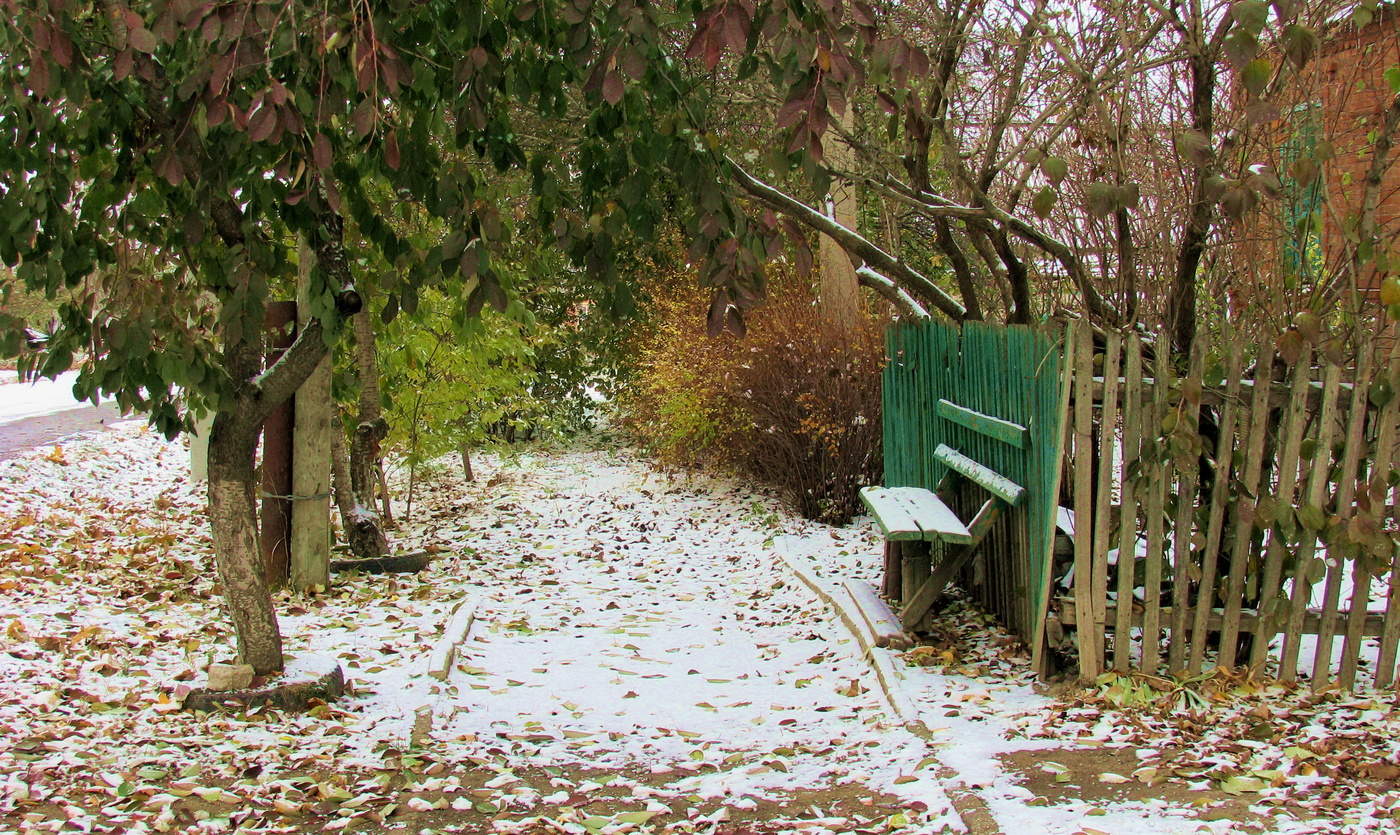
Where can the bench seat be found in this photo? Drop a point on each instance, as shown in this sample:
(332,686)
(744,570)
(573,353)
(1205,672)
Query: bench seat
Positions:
(913,513)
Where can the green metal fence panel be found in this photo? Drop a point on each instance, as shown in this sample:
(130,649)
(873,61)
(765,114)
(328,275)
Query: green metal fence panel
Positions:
(1007,372)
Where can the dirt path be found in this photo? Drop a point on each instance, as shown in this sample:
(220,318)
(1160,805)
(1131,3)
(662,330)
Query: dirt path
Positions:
(630,625)
(23,435)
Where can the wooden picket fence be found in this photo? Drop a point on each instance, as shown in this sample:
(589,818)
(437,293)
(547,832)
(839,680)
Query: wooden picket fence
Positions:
(1235,504)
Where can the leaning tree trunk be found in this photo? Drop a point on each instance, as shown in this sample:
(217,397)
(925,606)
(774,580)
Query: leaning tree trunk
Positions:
(340,477)
(232,517)
(364,530)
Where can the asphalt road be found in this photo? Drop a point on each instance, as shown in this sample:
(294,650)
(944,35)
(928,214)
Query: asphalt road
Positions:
(23,435)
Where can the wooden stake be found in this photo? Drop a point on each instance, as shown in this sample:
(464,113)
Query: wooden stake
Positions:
(1189,469)
(1090,632)
(1270,598)
(1353,445)
(311,461)
(1219,495)
(1127,517)
(1245,507)
(1314,497)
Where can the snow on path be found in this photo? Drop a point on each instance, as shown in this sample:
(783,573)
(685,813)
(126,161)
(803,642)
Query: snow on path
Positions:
(634,623)
(638,636)
(19,401)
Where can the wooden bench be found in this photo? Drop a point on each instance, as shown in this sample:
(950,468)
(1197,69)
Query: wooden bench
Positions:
(912,518)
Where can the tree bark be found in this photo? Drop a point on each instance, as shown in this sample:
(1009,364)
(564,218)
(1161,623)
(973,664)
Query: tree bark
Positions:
(275,516)
(1181,304)
(838,293)
(466,454)
(340,476)
(365,532)
(232,442)
(362,528)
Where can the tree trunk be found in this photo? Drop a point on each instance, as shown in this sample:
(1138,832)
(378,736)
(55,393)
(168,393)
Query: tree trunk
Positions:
(233,519)
(275,518)
(367,529)
(466,454)
(340,476)
(362,528)
(839,292)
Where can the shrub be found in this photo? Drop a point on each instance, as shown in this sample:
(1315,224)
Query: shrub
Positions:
(795,403)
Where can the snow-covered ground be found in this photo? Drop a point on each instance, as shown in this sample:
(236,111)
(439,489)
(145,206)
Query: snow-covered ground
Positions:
(22,400)
(641,662)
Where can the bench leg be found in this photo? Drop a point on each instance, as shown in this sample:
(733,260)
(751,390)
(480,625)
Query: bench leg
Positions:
(890,584)
(916,563)
(922,598)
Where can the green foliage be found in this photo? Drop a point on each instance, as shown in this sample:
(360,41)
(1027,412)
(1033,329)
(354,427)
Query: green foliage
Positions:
(165,157)
(452,382)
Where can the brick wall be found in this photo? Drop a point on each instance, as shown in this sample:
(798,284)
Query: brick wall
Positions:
(1349,73)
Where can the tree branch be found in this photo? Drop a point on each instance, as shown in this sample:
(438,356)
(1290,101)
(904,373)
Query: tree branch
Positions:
(850,241)
(906,304)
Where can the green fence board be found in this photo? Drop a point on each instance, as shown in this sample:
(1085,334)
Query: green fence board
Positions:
(1012,374)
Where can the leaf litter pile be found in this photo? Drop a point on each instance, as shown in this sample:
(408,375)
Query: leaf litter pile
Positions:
(640,663)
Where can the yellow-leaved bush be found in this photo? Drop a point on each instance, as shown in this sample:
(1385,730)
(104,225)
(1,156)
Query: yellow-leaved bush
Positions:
(794,404)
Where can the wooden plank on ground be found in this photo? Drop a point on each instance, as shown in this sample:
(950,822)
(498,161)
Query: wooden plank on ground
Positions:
(1188,469)
(444,651)
(877,615)
(1289,466)
(1354,443)
(1127,517)
(1090,638)
(1245,507)
(1313,500)
(993,427)
(1157,479)
(1230,411)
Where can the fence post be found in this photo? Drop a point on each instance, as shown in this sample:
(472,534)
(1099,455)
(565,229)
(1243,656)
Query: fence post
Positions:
(311,471)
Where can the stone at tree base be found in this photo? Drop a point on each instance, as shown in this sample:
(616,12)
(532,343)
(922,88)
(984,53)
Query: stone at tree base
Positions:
(229,677)
(307,679)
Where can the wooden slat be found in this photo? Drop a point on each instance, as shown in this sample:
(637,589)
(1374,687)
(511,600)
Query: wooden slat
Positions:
(891,515)
(1127,531)
(983,522)
(993,427)
(994,483)
(934,518)
(1157,478)
(1389,422)
(1103,489)
(1288,474)
(1219,493)
(1244,508)
(1189,469)
(1247,620)
(1353,443)
(1055,435)
(1313,496)
(1090,638)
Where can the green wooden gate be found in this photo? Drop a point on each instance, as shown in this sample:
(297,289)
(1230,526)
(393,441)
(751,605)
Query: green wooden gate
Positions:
(1009,372)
